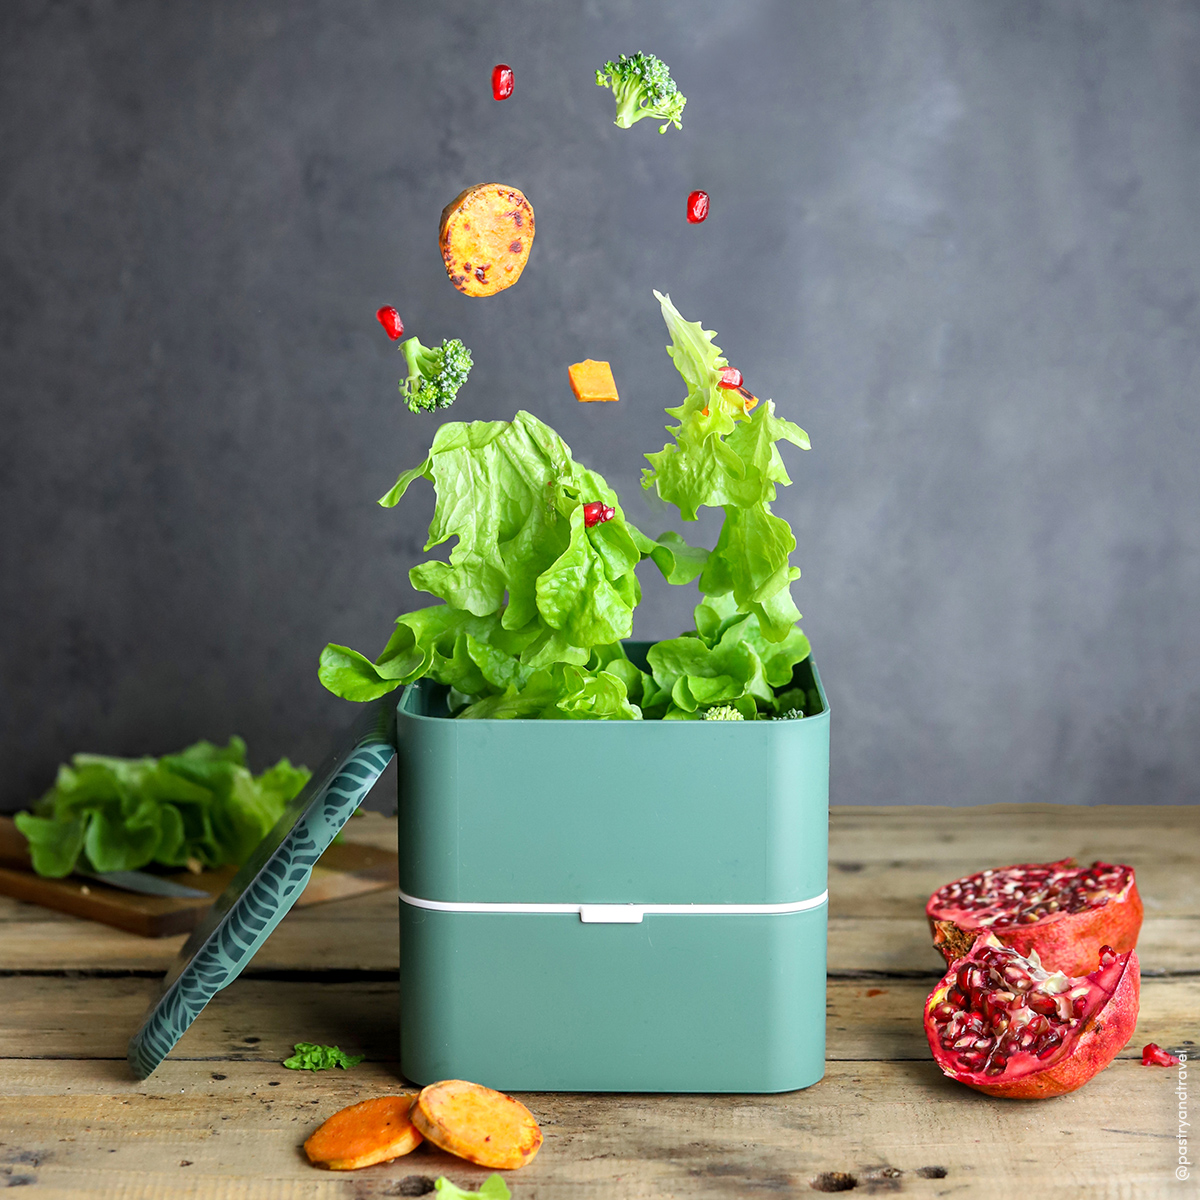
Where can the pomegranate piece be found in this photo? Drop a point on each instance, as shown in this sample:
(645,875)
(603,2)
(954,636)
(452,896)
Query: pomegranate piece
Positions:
(502,81)
(1002,1024)
(597,512)
(697,207)
(1062,910)
(389,318)
(731,377)
(1156,1056)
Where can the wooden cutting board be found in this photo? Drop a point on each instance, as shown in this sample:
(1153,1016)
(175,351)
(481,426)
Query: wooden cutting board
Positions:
(345,869)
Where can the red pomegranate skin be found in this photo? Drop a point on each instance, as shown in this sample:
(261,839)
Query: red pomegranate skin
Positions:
(1065,941)
(1084,1054)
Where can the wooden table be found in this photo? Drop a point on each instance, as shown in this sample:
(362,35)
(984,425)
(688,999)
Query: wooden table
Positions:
(222,1118)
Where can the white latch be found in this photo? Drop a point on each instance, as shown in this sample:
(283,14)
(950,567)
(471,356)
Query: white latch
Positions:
(610,914)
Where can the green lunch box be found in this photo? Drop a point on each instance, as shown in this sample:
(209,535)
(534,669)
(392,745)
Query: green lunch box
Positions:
(584,905)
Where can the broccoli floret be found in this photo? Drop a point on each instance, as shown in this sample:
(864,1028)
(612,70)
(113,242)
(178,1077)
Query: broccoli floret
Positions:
(434,373)
(643,87)
(723,712)
(792,714)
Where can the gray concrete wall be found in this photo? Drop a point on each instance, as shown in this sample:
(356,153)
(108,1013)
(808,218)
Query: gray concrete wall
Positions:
(956,240)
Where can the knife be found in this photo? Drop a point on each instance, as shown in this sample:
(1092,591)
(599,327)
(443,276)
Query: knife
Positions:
(146,884)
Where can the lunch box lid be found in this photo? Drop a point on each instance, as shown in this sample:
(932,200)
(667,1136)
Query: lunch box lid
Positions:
(262,893)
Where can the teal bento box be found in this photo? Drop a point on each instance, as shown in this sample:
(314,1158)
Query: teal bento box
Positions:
(584,905)
(613,905)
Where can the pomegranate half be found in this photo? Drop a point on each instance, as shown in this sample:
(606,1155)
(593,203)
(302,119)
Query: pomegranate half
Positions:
(1002,1024)
(1062,910)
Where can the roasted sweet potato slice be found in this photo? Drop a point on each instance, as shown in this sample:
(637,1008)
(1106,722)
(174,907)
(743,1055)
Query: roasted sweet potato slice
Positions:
(592,380)
(485,238)
(373,1131)
(478,1124)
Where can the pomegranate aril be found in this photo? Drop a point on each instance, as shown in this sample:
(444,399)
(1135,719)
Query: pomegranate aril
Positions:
(502,81)
(389,318)
(1107,956)
(1041,1003)
(697,207)
(597,512)
(1155,1056)
(1047,1044)
(731,377)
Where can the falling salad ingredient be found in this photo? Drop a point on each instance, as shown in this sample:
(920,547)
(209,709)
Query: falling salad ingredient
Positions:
(1155,1056)
(370,1132)
(502,81)
(592,381)
(122,814)
(596,513)
(1002,1024)
(485,238)
(389,318)
(697,207)
(309,1056)
(435,373)
(535,602)
(643,87)
(483,1126)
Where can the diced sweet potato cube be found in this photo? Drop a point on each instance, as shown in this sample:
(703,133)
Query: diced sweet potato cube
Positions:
(591,380)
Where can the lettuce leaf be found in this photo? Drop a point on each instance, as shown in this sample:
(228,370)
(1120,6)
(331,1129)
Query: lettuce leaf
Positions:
(120,814)
(723,457)
(310,1056)
(535,604)
(492,1188)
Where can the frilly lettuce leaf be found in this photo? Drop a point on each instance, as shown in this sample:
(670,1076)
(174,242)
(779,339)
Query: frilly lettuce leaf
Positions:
(724,457)
(535,604)
(121,814)
(492,1188)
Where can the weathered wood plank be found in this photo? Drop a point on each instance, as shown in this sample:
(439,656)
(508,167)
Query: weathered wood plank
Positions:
(240,1137)
(257,1020)
(897,887)
(1011,833)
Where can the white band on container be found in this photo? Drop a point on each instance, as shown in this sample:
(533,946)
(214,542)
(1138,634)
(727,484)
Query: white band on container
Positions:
(620,914)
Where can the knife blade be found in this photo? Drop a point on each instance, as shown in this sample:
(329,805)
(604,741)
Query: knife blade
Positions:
(146,884)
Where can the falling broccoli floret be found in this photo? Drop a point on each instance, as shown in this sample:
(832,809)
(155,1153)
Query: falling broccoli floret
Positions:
(643,87)
(434,373)
(723,712)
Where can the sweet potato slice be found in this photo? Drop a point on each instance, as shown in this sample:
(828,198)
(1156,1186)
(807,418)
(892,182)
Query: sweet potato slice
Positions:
(478,1124)
(370,1132)
(485,237)
(591,380)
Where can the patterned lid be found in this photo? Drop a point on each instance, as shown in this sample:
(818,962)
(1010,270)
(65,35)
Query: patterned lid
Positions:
(267,886)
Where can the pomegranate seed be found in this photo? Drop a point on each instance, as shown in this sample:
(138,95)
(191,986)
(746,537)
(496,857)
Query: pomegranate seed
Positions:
(1041,1003)
(731,377)
(389,318)
(697,207)
(1047,1044)
(1156,1056)
(597,512)
(1107,955)
(502,81)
